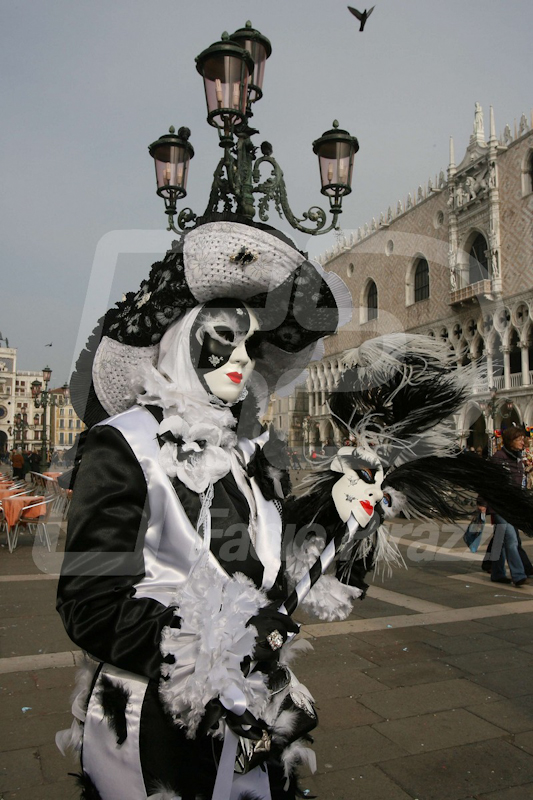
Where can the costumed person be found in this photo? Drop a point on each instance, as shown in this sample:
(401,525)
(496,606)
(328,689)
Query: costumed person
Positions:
(184,556)
(174,570)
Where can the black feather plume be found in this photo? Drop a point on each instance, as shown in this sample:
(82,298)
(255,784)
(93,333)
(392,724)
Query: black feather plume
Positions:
(401,383)
(86,786)
(437,486)
(114,698)
(251,796)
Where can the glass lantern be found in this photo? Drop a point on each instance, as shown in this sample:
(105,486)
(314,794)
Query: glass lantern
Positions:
(226,69)
(336,149)
(36,387)
(172,153)
(260,49)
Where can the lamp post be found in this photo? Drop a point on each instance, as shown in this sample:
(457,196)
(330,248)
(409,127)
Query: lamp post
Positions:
(233,71)
(20,426)
(42,398)
(491,406)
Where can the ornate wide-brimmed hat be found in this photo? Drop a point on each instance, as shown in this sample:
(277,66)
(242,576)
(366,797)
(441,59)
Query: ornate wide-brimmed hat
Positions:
(224,256)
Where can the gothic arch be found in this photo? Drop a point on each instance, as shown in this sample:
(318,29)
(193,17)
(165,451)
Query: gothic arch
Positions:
(466,262)
(527,172)
(419,262)
(366,297)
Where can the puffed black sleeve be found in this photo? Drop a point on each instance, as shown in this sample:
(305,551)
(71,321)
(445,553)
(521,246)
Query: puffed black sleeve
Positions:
(104,560)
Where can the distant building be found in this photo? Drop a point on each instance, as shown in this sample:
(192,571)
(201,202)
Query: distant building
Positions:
(21,422)
(453,260)
(66,424)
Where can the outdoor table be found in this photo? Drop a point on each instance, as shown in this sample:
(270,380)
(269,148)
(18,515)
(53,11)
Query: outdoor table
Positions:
(12,507)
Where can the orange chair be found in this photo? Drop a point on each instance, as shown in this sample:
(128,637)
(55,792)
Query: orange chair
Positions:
(31,524)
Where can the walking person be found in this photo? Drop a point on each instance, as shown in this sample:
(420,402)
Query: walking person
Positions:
(506,544)
(17,462)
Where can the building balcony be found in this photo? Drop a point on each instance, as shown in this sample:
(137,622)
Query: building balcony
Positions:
(470,293)
(516,381)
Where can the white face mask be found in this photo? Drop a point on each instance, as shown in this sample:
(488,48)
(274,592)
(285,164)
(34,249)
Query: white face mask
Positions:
(359,489)
(228,381)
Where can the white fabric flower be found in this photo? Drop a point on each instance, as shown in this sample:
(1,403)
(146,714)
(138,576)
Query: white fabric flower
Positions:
(201,456)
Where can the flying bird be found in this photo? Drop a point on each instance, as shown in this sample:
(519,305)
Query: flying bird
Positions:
(48,345)
(362,16)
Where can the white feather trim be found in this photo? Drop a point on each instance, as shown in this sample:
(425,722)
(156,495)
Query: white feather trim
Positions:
(328,599)
(397,505)
(285,725)
(297,754)
(294,648)
(210,645)
(162,792)
(71,738)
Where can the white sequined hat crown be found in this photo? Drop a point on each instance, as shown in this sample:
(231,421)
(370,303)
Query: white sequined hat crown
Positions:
(228,259)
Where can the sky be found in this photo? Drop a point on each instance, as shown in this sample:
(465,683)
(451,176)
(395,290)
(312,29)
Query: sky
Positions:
(86,85)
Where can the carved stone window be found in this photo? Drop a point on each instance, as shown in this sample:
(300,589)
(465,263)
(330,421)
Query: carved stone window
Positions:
(527,174)
(372,301)
(421,280)
(478,263)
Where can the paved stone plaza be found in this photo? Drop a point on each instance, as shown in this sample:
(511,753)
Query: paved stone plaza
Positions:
(425,692)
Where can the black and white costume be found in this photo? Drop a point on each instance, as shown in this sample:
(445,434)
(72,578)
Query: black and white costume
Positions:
(174,560)
(181,547)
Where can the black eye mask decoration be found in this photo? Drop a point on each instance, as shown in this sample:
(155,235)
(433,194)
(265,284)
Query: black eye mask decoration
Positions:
(217,332)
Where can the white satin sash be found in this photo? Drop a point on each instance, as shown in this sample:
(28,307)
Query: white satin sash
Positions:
(115,769)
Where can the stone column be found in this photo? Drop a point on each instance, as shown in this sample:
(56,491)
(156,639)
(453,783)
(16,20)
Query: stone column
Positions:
(524,352)
(490,375)
(506,350)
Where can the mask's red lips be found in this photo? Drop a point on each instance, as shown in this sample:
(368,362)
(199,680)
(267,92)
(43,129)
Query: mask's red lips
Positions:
(368,507)
(236,377)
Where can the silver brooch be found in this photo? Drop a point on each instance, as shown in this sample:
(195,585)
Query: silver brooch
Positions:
(275,640)
(214,360)
(244,257)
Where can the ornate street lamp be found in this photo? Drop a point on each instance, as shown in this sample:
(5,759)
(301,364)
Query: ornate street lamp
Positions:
(20,426)
(491,406)
(42,398)
(233,71)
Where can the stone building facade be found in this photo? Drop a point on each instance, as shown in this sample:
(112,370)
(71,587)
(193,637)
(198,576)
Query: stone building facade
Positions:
(21,422)
(454,261)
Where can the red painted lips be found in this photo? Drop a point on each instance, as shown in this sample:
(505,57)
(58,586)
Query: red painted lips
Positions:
(368,507)
(236,377)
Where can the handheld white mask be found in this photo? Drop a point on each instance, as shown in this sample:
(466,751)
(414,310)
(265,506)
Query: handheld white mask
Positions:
(359,489)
